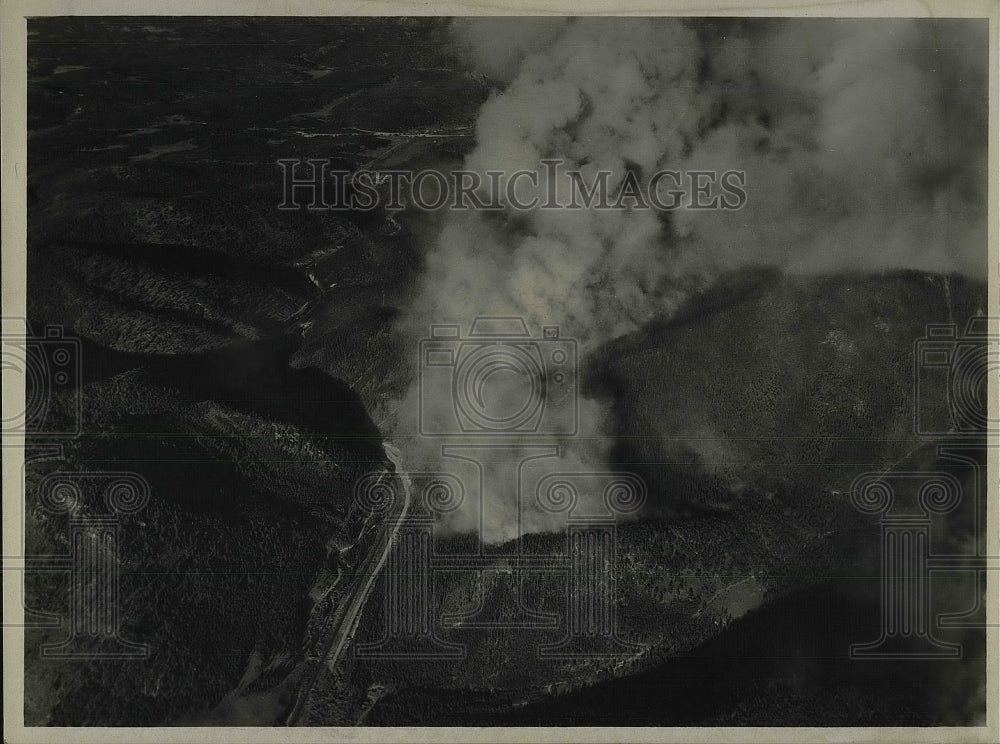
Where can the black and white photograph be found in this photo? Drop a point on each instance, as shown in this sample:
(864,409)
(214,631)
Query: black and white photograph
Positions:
(618,373)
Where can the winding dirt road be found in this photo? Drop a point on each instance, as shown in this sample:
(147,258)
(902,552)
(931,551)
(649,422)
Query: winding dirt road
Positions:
(347,613)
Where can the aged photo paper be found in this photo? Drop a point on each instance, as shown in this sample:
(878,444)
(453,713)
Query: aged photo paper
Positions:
(446,372)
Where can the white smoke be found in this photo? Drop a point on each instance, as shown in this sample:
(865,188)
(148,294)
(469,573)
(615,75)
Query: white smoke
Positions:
(874,155)
(863,145)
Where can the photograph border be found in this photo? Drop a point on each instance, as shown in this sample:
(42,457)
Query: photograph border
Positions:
(13,162)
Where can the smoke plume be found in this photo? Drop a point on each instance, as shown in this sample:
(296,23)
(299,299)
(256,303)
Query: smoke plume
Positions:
(863,144)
